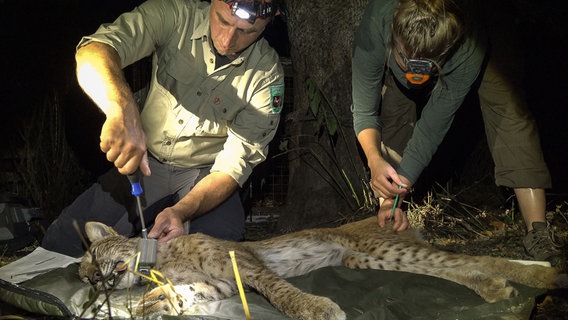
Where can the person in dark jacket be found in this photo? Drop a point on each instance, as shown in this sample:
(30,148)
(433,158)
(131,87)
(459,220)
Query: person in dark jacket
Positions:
(414,62)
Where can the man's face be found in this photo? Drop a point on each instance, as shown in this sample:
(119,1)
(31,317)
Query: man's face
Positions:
(230,34)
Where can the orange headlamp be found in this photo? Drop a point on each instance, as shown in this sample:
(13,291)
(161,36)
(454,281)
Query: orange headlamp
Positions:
(418,71)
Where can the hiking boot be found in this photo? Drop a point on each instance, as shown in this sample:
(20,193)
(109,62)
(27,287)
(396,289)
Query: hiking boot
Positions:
(541,244)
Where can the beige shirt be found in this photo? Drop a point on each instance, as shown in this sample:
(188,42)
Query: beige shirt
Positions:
(195,115)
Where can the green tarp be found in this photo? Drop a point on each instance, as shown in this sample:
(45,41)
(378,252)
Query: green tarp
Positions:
(362,294)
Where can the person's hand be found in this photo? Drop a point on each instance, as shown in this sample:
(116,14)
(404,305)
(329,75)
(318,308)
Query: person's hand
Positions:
(385,181)
(99,73)
(400,222)
(168,225)
(124,142)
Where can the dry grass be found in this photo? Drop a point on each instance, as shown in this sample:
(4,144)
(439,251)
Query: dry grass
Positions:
(455,226)
(5,258)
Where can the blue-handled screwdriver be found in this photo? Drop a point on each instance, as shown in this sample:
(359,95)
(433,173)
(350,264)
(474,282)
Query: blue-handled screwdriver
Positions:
(147,247)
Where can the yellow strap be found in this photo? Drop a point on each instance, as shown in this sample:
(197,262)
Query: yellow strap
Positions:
(240,284)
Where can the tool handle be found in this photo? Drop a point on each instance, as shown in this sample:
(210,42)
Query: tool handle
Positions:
(135,183)
(395,203)
(136,192)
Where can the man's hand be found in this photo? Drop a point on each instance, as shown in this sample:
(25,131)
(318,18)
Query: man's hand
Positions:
(124,142)
(400,219)
(206,195)
(99,72)
(168,225)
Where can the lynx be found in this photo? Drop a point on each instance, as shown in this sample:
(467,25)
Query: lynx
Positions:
(200,269)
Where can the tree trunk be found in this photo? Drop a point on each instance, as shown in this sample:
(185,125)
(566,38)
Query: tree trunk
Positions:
(325,170)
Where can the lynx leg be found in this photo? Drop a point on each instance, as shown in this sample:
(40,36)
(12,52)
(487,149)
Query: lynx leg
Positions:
(289,299)
(161,300)
(174,300)
(536,276)
(490,287)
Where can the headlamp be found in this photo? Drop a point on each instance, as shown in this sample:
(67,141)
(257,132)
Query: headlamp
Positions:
(418,71)
(251,9)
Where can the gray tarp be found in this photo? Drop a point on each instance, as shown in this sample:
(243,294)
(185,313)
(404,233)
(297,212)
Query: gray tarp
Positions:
(362,294)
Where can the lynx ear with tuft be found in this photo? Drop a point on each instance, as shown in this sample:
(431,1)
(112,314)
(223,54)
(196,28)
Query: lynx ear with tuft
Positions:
(97,230)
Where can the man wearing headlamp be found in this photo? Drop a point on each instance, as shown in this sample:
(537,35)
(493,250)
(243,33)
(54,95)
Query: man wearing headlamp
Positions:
(213,106)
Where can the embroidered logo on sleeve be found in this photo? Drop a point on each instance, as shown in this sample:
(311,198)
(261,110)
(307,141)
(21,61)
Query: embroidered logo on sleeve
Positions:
(277,97)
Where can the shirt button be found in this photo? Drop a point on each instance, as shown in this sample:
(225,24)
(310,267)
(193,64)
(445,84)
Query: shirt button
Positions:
(168,143)
(264,134)
(198,93)
(211,60)
(180,121)
(224,110)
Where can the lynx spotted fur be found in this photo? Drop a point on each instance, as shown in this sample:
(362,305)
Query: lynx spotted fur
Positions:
(200,268)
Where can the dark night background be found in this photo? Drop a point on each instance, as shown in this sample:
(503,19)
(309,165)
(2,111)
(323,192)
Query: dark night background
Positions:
(39,38)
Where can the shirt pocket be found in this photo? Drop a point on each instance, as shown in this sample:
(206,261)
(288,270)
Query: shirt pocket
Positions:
(180,77)
(218,111)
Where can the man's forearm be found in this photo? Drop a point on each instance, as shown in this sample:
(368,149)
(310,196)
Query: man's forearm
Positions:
(207,194)
(100,75)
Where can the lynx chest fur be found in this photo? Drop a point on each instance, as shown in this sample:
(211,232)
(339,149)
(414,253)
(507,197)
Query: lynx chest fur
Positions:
(200,269)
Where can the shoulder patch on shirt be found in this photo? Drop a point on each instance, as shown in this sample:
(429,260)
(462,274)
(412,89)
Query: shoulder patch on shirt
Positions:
(277,97)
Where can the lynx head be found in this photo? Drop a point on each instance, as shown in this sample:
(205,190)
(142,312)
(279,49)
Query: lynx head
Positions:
(109,258)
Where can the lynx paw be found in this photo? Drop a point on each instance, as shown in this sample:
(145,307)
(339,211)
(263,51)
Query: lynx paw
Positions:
(328,310)
(319,308)
(561,281)
(161,300)
(496,289)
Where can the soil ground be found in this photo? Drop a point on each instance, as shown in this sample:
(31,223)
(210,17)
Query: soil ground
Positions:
(447,223)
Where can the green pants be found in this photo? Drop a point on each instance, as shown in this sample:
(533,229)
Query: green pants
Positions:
(511,131)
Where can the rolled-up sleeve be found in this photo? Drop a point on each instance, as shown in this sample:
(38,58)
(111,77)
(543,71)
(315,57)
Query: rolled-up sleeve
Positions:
(253,128)
(136,34)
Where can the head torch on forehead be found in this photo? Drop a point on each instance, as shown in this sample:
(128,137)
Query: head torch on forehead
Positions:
(418,71)
(251,9)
